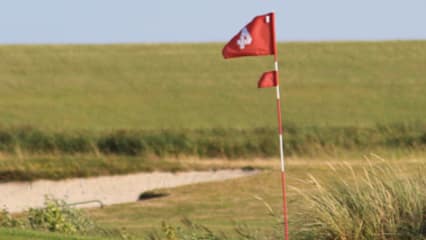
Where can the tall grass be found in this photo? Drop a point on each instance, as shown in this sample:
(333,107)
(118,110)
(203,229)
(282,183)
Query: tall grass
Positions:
(28,153)
(381,202)
(227,143)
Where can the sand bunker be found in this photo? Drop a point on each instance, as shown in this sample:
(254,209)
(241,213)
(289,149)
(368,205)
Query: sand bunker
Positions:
(19,196)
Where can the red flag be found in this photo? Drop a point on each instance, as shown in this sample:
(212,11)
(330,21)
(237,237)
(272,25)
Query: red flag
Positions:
(268,79)
(255,39)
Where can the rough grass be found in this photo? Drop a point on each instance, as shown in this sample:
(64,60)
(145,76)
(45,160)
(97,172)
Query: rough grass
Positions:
(384,201)
(226,143)
(214,143)
(223,206)
(30,153)
(29,168)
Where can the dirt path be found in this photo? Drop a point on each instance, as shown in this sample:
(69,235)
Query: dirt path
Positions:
(17,197)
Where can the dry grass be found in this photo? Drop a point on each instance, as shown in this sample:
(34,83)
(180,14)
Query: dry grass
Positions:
(381,200)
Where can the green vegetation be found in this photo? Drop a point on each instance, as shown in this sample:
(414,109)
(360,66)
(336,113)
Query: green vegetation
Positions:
(189,86)
(31,154)
(56,217)
(27,168)
(217,143)
(69,111)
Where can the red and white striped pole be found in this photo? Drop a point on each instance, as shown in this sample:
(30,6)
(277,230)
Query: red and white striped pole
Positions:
(280,132)
(283,175)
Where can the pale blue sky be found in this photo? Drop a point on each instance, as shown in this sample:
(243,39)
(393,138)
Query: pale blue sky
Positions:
(107,21)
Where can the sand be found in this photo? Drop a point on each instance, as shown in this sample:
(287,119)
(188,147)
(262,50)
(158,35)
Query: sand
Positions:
(19,196)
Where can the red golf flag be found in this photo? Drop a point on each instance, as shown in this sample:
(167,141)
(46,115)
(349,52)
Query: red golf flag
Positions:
(268,79)
(255,39)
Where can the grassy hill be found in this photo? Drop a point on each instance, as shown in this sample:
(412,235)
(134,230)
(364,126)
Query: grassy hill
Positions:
(190,86)
(76,110)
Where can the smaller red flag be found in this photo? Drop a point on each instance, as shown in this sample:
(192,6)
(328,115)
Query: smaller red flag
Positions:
(268,79)
(255,39)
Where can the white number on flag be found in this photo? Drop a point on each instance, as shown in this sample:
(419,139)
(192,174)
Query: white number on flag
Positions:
(245,38)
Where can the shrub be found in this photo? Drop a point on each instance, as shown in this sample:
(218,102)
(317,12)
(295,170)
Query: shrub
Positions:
(6,220)
(57,216)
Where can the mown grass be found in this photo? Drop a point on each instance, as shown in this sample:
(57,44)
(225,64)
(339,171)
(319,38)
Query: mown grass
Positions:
(190,86)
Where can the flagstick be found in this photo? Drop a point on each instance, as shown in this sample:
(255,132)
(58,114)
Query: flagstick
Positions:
(280,131)
(283,175)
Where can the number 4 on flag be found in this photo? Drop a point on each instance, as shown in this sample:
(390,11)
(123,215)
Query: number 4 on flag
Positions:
(245,38)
